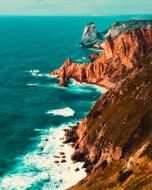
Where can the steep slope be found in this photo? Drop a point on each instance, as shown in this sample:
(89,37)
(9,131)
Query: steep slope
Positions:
(115,138)
(120,56)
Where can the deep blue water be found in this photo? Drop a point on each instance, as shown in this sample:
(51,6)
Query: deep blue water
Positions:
(39,43)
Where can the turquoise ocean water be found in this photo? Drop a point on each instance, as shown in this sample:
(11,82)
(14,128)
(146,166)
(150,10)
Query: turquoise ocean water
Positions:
(33,109)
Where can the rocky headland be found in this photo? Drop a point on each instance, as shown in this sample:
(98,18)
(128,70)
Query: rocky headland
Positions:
(119,57)
(115,139)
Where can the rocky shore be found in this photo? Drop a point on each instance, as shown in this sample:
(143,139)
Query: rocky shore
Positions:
(115,139)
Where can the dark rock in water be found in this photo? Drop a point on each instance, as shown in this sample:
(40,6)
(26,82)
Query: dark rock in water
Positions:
(56,156)
(56,161)
(63,161)
(77,169)
(71,135)
(41,148)
(90,35)
(62,153)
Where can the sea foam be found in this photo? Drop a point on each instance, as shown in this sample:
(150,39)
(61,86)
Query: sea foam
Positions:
(91,86)
(65,112)
(32,84)
(39,167)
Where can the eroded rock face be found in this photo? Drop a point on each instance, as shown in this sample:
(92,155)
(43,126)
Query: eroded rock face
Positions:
(112,129)
(120,56)
(90,36)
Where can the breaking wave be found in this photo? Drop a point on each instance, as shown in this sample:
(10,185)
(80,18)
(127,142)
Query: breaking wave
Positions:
(43,167)
(65,112)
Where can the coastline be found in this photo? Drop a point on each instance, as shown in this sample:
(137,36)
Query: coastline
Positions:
(52,157)
(113,69)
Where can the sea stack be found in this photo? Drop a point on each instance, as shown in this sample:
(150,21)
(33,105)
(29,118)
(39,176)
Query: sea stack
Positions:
(90,36)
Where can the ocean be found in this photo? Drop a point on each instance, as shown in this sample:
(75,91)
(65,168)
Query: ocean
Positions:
(33,109)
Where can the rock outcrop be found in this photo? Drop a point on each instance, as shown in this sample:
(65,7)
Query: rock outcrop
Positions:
(119,57)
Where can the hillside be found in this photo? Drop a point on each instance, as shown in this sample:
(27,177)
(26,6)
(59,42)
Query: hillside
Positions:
(116,136)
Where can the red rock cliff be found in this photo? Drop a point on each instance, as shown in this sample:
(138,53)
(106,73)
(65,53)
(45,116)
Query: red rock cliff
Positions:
(119,57)
(115,138)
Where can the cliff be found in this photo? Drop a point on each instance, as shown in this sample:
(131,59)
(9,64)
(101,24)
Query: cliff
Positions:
(115,138)
(119,57)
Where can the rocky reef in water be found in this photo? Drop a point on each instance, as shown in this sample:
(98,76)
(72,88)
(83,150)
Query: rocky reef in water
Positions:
(115,139)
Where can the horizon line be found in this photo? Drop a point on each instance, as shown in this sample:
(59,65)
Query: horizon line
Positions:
(130,14)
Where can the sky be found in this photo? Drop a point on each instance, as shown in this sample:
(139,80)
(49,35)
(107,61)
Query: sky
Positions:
(75,7)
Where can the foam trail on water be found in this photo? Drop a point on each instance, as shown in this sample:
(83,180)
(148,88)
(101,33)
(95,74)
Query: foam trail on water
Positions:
(38,168)
(82,59)
(83,84)
(65,112)
(37,73)
(32,84)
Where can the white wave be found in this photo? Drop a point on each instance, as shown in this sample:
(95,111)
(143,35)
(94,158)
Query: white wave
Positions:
(66,112)
(79,60)
(84,84)
(82,59)
(32,84)
(34,72)
(37,73)
(96,50)
(39,167)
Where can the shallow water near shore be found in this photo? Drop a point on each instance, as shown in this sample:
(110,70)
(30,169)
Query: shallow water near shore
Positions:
(34,109)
